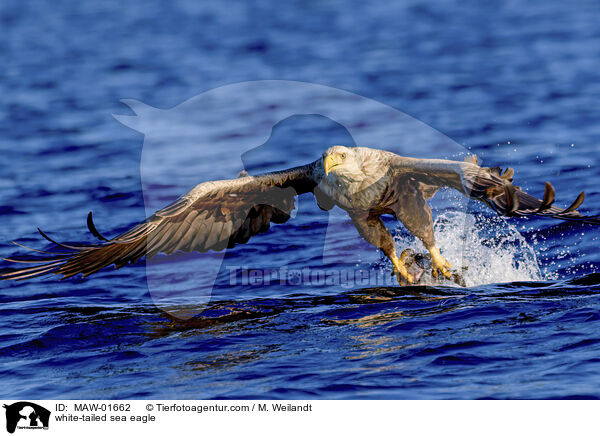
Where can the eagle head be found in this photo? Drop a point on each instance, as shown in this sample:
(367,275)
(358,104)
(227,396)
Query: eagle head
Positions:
(342,163)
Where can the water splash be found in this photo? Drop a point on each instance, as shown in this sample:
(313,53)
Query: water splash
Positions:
(486,248)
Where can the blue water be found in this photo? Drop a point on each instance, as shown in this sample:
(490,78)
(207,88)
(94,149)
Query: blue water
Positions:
(517,83)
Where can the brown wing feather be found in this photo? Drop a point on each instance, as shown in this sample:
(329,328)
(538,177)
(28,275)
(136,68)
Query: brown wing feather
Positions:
(212,216)
(498,192)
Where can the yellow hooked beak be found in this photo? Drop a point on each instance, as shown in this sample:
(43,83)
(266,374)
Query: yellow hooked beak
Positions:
(331,161)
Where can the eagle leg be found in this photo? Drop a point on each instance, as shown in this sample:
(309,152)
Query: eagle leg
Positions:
(372,230)
(402,274)
(439,263)
(412,210)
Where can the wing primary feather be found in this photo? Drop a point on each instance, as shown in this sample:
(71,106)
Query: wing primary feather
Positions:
(512,200)
(34,274)
(495,171)
(33,249)
(40,260)
(137,251)
(575,204)
(92,228)
(67,246)
(34,269)
(548,200)
(136,232)
(508,174)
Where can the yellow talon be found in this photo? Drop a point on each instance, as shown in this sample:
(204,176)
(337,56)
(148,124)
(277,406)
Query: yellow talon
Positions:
(404,254)
(439,263)
(400,269)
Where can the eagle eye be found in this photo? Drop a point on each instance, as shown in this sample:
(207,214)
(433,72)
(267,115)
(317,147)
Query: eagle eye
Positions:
(343,155)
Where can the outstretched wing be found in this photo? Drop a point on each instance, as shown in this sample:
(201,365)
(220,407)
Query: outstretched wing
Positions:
(488,185)
(212,216)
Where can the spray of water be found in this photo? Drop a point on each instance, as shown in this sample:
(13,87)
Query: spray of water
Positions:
(487,249)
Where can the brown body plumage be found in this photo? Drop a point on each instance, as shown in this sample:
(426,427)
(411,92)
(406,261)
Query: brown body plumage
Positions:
(365,182)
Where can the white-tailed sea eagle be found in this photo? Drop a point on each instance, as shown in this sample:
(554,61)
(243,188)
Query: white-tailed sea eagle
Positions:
(365,182)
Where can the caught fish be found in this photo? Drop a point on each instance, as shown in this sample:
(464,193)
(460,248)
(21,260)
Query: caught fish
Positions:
(419,266)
